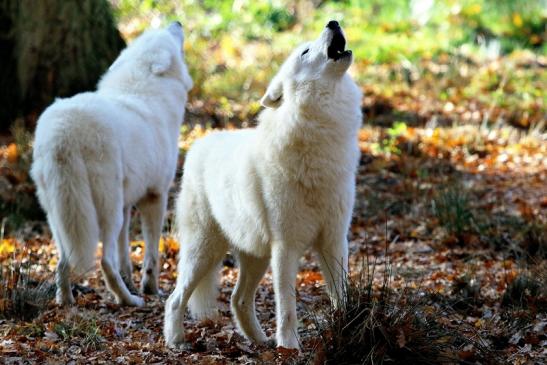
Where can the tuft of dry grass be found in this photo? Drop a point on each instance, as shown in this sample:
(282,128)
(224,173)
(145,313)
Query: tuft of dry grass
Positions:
(376,324)
(22,297)
(524,292)
(82,329)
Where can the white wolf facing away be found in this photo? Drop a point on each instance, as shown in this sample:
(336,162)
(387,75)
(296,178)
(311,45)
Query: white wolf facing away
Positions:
(272,192)
(99,153)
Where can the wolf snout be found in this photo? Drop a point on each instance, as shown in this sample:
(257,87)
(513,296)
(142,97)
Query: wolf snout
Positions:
(175,28)
(333,24)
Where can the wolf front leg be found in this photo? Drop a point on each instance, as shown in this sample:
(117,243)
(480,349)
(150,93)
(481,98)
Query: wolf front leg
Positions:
(251,271)
(332,249)
(284,269)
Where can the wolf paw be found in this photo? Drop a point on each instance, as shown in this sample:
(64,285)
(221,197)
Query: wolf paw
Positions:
(289,342)
(174,337)
(150,286)
(64,299)
(132,301)
(183,346)
(206,313)
(269,342)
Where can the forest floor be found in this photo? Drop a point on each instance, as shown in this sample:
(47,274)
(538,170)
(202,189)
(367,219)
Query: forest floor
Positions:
(450,219)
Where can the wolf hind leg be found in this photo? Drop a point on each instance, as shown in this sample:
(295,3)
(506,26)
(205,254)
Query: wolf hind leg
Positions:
(203,301)
(198,258)
(152,209)
(111,219)
(124,253)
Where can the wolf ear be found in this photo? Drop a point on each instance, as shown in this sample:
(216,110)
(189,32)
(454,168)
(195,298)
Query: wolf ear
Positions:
(161,62)
(274,94)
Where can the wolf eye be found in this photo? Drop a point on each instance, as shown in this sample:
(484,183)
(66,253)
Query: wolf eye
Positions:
(306,51)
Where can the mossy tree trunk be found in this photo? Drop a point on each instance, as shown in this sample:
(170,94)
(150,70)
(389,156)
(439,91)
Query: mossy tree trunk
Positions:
(52,48)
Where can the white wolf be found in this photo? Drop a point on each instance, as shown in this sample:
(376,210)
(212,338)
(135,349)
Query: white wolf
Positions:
(272,192)
(99,153)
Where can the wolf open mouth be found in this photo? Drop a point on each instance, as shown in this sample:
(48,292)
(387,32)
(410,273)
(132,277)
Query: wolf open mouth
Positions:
(337,46)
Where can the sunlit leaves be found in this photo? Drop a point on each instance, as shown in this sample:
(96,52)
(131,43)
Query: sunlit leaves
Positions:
(7,247)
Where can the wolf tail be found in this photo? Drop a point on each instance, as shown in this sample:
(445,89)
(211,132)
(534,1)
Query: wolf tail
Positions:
(63,188)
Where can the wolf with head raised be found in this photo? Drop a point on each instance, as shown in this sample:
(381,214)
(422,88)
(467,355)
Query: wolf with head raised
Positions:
(98,154)
(270,193)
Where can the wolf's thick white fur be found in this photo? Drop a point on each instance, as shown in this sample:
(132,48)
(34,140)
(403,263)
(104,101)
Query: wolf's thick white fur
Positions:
(269,194)
(99,153)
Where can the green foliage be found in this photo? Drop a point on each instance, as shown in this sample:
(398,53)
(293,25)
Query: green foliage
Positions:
(389,144)
(86,329)
(517,23)
(235,47)
(32,329)
(452,209)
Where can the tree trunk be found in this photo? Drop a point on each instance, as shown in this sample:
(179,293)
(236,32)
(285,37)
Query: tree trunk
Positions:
(52,48)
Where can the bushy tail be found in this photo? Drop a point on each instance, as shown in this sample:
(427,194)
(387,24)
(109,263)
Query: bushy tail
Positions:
(65,193)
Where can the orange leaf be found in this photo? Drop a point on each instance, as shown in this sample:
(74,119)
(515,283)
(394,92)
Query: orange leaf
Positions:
(12,153)
(437,275)
(526,210)
(7,246)
(169,245)
(287,353)
(466,355)
(310,277)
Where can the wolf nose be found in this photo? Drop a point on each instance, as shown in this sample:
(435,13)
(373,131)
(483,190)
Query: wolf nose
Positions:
(333,24)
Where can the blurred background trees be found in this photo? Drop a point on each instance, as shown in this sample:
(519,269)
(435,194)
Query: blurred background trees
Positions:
(52,48)
(235,47)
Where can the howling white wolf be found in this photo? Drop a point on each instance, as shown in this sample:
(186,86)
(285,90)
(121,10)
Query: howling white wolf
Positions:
(99,153)
(272,192)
